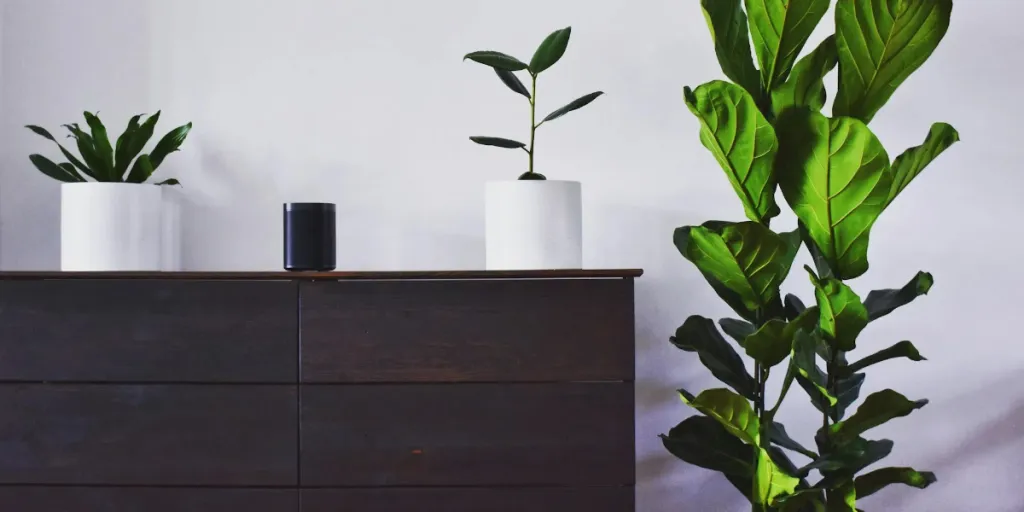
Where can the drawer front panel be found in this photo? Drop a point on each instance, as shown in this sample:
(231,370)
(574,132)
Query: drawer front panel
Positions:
(148,435)
(452,331)
(148,331)
(468,435)
(136,499)
(590,499)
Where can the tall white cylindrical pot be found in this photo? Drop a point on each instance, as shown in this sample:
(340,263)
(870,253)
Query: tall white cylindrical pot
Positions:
(534,225)
(111,227)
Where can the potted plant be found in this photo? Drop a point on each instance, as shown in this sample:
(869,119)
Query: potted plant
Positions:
(111,215)
(532,222)
(766,130)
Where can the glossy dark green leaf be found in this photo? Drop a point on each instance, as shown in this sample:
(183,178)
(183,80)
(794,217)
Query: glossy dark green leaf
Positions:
(780,29)
(122,159)
(498,142)
(847,458)
(141,170)
(805,86)
(737,329)
(877,409)
(699,335)
(171,181)
(877,480)
(770,481)
(728,25)
(834,173)
(843,315)
(512,81)
(741,140)
(747,258)
(881,42)
(51,169)
(496,60)
(794,306)
(776,432)
(704,442)
(136,144)
(911,162)
(847,392)
(770,344)
(575,104)
(732,411)
(101,142)
(67,154)
(550,50)
(808,374)
(169,144)
(882,302)
(87,150)
(902,349)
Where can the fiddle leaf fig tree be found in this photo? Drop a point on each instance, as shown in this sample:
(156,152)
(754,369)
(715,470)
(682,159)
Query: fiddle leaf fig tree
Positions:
(506,66)
(100,160)
(767,130)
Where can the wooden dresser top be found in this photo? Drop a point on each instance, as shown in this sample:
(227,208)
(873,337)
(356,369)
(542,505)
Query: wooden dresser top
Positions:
(340,276)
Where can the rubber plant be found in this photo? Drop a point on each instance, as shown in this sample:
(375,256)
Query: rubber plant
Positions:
(766,129)
(505,66)
(100,161)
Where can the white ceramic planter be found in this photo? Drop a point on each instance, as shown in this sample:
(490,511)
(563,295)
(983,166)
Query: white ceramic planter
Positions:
(534,225)
(111,227)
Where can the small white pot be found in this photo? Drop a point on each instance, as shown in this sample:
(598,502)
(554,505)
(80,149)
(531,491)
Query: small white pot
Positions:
(111,227)
(534,225)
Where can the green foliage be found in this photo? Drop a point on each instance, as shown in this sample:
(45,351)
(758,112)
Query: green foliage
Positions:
(767,131)
(505,66)
(100,161)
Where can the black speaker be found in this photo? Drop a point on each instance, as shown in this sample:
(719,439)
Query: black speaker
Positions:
(309,237)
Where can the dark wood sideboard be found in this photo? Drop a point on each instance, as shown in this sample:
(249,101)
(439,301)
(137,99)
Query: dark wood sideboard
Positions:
(320,392)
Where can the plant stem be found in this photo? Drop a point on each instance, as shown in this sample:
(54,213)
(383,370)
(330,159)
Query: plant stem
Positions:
(533,117)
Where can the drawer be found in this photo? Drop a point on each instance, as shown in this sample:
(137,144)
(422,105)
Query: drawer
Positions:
(136,499)
(148,435)
(474,330)
(467,435)
(148,331)
(578,499)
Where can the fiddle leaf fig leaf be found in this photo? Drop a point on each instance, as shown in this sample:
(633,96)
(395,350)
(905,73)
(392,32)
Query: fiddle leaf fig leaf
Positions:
(496,60)
(847,458)
(911,162)
(780,29)
(770,481)
(550,50)
(794,306)
(698,334)
(879,479)
(806,84)
(737,329)
(746,258)
(732,411)
(804,500)
(777,434)
(882,302)
(902,349)
(842,314)
(704,442)
(741,140)
(808,374)
(881,43)
(512,82)
(835,175)
(728,25)
(877,409)
(770,344)
(847,392)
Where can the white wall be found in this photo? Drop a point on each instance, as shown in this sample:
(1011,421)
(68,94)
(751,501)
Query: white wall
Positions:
(368,104)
